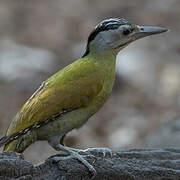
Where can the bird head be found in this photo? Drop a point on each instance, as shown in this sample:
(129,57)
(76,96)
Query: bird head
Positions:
(116,33)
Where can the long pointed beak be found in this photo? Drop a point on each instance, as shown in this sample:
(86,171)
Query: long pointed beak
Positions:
(149,30)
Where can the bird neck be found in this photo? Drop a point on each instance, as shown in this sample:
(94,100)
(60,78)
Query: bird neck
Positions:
(106,62)
(103,57)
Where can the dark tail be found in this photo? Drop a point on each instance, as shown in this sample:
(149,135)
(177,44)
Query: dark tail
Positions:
(4,140)
(7,139)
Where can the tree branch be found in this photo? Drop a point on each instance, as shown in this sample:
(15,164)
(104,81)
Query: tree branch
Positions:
(140,164)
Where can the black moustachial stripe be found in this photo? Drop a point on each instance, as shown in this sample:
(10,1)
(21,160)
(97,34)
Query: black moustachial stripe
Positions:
(108,24)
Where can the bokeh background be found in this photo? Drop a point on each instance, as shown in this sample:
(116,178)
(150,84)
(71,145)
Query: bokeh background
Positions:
(39,37)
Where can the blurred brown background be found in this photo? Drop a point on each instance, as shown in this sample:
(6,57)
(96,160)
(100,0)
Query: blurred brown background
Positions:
(39,37)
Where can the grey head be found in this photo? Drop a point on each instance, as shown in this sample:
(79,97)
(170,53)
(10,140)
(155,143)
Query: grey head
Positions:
(116,33)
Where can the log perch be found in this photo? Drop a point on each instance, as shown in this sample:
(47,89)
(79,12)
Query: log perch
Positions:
(134,164)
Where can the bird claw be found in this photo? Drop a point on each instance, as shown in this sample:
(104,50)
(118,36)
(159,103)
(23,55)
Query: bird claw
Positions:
(56,159)
(89,156)
(104,151)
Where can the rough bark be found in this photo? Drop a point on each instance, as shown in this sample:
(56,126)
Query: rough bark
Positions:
(140,164)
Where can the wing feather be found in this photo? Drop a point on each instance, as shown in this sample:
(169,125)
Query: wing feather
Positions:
(73,87)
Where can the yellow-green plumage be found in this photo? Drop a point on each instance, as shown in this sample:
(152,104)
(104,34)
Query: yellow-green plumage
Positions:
(83,85)
(70,97)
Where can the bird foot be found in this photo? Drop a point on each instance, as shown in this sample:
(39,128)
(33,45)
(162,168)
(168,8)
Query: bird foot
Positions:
(56,159)
(75,155)
(90,151)
(104,151)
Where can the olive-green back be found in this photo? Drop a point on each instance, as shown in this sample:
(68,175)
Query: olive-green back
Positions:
(73,87)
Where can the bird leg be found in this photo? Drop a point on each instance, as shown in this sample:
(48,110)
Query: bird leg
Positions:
(89,151)
(54,142)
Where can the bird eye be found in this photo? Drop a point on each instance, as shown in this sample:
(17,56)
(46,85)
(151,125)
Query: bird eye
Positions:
(126,31)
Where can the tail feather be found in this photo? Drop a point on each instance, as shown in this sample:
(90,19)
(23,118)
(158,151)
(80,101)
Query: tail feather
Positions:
(7,139)
(4,140)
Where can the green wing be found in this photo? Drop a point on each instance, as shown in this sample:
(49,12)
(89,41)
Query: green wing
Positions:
(73,87)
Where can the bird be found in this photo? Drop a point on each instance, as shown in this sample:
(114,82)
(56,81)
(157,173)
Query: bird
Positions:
(67,99)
